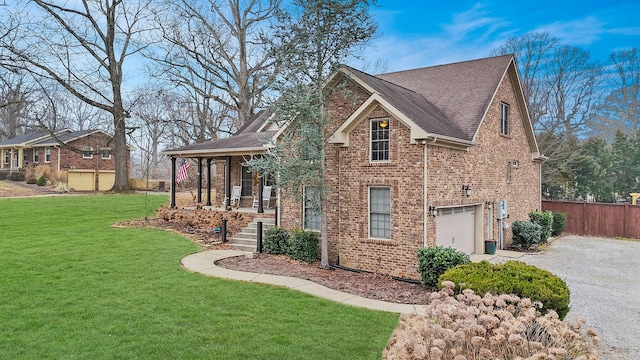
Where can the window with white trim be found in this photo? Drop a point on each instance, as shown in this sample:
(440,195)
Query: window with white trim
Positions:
(36,155)
(47,155)
(86,152)
(380,212)
(106,154)
(504,119)
(7,156)
(311,208)
(379,140)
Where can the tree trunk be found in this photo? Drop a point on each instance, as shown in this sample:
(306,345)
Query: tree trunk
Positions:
(121,155)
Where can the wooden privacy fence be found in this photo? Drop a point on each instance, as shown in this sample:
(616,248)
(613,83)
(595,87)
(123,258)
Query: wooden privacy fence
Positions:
(598,219)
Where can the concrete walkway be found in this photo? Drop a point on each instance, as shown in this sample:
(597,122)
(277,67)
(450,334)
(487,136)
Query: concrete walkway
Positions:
(204,263)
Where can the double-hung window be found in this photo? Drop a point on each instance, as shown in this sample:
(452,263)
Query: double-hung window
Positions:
(380,212)
(246,181)
(106,154)
(87,152)
(36,155)
(311,208)
(379,140)
(47,155)
(504,119)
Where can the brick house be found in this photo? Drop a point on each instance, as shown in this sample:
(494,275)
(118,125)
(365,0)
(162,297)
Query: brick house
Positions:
(88,170)
(443,155)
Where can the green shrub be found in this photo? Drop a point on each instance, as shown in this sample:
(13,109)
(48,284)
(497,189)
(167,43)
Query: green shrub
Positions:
(303,246)
(4,175)
(435,260)
(559,223)
(16,176)
(525,234)
(42,181)
(545,220)
(276,241)
(512,277)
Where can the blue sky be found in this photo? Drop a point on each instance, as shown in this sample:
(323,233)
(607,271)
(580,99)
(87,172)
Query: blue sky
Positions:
(417,33)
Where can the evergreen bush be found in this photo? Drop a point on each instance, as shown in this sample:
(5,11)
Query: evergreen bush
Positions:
(525,234)
(559,223)
(545,220)
(4,175)
(42,181)
(512,277)
(303,246)
(276,241)
(435,260)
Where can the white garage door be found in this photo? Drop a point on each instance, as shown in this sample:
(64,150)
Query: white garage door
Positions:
(455,227)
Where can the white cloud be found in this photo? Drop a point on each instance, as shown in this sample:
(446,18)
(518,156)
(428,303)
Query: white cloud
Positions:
(576,32)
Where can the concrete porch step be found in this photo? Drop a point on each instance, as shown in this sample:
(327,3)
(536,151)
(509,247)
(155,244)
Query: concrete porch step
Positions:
(247,239)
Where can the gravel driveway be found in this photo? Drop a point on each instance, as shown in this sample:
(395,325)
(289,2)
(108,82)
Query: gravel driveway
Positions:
(604,278)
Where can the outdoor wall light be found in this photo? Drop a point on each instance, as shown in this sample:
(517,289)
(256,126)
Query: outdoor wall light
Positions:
(467,190)
(433,211)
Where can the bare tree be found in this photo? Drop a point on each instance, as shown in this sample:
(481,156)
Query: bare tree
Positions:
(153,120)
(217,51)
(621,109)
(533,54)
(16,98)
(82,46)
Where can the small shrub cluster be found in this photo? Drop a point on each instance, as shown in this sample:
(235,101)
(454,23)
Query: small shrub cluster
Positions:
(469,326)
(525,234)
(303,246)
(559,223)
(434,261)
(513,277)
(299,245)
(275,241)
(4,175)
(16,176)
(545,220)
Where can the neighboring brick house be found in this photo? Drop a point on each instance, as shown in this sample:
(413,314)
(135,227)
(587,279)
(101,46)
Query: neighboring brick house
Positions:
(90,169)
(415,158)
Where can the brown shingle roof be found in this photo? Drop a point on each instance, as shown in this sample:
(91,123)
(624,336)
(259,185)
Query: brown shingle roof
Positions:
(249,140)
(413,105)
(461,91)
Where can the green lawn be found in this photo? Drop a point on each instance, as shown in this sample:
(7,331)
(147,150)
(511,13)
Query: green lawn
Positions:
(72,287)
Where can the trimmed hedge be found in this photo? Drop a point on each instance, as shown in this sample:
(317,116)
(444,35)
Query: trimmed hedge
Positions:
(545,220)
(559,223)
(435,260)
(276,241)
(303,246)
(525,234)
(512,277)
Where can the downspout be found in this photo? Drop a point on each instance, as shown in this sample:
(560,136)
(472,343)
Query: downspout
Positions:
(425,189)
(425,211)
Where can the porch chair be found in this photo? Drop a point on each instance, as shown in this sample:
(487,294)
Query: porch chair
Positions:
(235,196)
(266,196)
